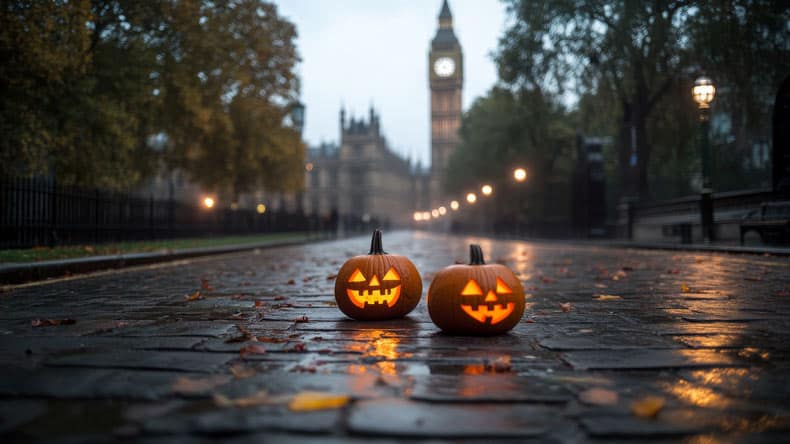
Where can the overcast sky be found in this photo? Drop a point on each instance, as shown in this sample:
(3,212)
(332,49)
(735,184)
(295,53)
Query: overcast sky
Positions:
(358,52)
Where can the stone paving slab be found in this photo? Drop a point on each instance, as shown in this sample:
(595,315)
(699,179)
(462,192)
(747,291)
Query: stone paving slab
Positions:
(142,361)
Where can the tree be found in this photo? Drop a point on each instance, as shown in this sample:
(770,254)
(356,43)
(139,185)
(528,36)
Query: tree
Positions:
(631,48)
(505,128)
(227,84)
(87,84)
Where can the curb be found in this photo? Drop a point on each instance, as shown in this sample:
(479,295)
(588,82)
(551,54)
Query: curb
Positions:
(731,249)
(20,273)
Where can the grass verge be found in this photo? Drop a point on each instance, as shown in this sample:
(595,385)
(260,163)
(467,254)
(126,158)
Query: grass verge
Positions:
(75,251)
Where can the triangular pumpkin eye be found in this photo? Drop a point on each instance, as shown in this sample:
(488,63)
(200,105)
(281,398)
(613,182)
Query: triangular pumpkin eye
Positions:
(391,275)
(357,276)
(502,288)
(471,289)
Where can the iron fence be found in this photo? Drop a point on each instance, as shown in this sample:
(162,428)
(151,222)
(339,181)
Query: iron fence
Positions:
(40,212)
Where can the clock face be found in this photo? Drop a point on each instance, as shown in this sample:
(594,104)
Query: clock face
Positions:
(444,66)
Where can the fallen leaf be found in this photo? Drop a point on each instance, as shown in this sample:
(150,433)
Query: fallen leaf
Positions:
(499,365)
(243,337)
(259,304)
(301,319)
(259,398)
(647,407)
(253,349)
(89,249)
(685,288)
(331,276)
(565,307)
(310,401)
(291,282)
(279,298)
(205,285)
(192,297)
(299,347)
(599,396)
(51,322)
(269,339)
(241,371)
(607,297)
(195,386)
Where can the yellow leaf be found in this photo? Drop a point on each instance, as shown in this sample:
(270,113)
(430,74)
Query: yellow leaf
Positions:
(647,407)
(685,288)
(190,386)
(607,297)
(309,401)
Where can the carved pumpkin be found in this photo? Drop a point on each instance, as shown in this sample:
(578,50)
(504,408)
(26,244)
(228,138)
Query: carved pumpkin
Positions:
(378,285)
(476,299)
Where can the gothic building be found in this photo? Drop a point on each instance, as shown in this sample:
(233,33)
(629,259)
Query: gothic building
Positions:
(362,179)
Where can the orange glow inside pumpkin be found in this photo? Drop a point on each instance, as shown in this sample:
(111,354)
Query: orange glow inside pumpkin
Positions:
(491,308)
(376,292)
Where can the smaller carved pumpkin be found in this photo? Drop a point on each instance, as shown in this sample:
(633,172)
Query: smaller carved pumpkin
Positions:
(378,285)
(476,299)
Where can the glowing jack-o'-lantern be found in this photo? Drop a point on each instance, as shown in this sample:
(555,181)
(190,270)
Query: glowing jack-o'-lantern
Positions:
(476,299)
(378,285)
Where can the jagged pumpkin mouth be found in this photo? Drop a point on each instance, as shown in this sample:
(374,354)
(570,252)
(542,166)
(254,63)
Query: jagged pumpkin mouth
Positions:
(377,296)
(497,312)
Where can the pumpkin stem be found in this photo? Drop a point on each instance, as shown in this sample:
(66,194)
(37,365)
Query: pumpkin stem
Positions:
(375,243)
(476,255)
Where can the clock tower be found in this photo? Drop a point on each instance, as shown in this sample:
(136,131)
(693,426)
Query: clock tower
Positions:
(445,77)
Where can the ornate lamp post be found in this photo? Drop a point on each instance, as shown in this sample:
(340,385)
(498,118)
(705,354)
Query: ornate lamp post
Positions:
(703,93)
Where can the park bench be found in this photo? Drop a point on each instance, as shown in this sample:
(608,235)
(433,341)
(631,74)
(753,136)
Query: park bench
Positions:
(771,222)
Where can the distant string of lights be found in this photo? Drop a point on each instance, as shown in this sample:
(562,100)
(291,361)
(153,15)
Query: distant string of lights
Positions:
(519,175)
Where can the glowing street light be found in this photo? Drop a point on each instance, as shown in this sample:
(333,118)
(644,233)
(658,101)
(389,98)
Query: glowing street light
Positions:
(487,190)
(471,198)
(520,174)
(426,215)
(417,216)
(703,92)
(208,202)
(454,205)
(435,213)
(261,208)
(442,211)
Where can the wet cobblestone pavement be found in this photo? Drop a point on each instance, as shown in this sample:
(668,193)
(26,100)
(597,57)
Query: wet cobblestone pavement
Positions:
(615,345)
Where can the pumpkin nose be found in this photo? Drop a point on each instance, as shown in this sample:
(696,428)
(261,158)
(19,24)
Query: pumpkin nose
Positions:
(374,281)
(490,297)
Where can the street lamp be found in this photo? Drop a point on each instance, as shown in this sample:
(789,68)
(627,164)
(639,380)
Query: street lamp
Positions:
(520,174)
(435,213)
(471,198)
(261,208)
(703,93)
(454,205)
(208,202)
(417,216)
(487,190)
(297,116)
(442,211)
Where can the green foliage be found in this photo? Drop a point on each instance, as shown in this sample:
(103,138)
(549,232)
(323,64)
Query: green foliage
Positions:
(633,63)
(505,129)
(86,85)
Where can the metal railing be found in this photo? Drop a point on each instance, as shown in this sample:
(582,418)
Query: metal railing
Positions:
(40,212)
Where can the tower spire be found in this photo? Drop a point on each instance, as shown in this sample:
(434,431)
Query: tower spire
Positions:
(445,16)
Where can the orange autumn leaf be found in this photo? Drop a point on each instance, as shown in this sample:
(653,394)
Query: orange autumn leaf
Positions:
(599,396)
(647,407)
(310,401)
(253,349)
(205,285)
(607,297)
(192,297)
(565,307)
(685,288)
(194,386)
